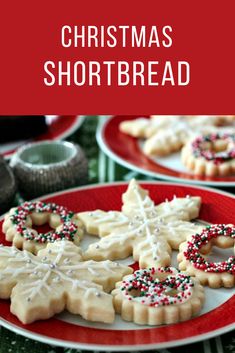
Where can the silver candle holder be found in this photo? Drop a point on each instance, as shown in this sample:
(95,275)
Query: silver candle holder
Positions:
(49,166)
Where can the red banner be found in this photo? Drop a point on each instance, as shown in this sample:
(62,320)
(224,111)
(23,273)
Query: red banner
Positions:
(124,57)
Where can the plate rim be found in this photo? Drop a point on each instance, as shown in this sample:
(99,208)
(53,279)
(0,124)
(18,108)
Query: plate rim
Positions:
(109,152)
(114,348)
(91,346)
(78,121)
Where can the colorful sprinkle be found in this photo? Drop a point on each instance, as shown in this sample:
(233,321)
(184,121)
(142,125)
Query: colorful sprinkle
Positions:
(144,287)
(198,240)
(199,150)
(67,230)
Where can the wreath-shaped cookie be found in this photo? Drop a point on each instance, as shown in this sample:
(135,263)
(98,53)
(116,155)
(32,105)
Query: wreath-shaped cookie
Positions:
(210,155)
(158,296)
(18,225)
(192,256)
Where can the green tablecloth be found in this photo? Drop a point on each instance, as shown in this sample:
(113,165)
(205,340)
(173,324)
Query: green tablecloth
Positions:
(102,169)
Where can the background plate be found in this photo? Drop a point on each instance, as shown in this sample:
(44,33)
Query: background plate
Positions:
(59,127)
(127,151)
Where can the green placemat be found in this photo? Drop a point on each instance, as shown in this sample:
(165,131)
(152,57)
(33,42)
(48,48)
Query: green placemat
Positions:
(103,169)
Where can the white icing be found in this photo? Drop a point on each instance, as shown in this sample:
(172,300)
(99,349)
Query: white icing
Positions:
(182,126)
(45,273)
(151,239)
(149,224)
(112,216)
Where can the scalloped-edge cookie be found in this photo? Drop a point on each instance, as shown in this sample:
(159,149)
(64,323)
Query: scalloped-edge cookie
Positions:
(210,155)
(158,296)
(192,256)
(18,225)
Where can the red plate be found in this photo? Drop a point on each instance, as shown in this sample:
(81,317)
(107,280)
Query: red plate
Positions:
(216,208)
(59,127)
(126,151)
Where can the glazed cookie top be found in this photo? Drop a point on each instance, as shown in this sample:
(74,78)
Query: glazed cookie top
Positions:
(35,284)
(67,230)
(146,230)
(198,240)
(145,287)
(200,147)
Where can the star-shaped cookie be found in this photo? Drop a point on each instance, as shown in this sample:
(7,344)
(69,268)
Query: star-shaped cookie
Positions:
(57,279)
(147,231)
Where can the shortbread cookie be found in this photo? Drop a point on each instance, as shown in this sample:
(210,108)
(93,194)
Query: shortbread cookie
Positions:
(167,134)
(147,231)
(210,155)
(57,279)
(144,127)
(192,256)
(158,296)
(18,225)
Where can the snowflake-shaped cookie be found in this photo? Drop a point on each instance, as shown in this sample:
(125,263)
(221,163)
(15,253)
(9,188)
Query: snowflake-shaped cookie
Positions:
(167,134)
(147,231)
(57,279)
